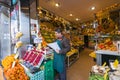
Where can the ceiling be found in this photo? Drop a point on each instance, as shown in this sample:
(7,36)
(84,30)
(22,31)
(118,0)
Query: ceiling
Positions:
(79,8)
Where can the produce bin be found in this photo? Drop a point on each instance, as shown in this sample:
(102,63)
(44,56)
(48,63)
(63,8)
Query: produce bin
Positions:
(37,76)
(49,72)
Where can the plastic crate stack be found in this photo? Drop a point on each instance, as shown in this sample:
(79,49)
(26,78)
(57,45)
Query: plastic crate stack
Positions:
(49,72)
(37,76)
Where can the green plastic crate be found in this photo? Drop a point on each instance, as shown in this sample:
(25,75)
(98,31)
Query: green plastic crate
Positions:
(49,64)
(49,72)
(49,75)
(37,76)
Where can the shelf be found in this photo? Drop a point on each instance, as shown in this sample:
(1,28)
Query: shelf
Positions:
(71,58)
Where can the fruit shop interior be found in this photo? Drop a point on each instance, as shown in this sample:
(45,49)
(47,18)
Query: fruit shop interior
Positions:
(27,27)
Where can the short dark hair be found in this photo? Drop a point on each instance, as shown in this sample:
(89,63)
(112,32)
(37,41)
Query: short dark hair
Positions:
(58,30)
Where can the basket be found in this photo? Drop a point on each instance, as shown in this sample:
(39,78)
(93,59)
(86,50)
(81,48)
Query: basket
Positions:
(37,76)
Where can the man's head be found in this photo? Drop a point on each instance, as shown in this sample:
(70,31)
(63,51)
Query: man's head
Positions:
(58,33)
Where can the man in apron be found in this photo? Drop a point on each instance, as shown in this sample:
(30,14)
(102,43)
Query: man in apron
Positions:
(60,55)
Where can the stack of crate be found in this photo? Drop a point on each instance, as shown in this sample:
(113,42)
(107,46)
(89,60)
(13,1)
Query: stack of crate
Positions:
(49,72)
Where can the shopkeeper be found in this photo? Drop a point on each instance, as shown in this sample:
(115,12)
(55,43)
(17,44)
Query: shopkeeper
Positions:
(60,55)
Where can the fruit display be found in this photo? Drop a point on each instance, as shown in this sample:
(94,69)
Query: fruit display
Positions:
(48,36)
(107,45)
(7,61)
(88,31)
(16,73)
(76,41)
(99,73)
(72,51)
(100,69)
(92,54)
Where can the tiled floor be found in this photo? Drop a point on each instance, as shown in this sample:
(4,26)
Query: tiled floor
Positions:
(80,69)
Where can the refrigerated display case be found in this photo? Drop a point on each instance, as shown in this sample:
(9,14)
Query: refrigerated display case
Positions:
(5,43)
(14,14)
(9,26)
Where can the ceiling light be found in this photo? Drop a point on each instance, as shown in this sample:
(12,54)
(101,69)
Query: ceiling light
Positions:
(92,8)
(76,19)
(40,12)
(71,14)
(57,5)
(38,8)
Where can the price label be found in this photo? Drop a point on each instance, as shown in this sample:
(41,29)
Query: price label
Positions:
(15,50)
(37,40)
(13,65)
(17,55)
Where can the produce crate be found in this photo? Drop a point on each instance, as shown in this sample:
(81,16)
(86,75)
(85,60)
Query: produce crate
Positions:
(37,76)
(49,75)
(49,72)
(49,64)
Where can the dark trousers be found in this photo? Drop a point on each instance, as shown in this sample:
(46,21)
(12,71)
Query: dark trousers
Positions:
(62,75)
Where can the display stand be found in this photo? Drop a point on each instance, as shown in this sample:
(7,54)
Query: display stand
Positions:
(99,54)
(72,57)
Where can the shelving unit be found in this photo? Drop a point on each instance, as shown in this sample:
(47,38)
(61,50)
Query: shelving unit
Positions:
(72,56)
(91,42)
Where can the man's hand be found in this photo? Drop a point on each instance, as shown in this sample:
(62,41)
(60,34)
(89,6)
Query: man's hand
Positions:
(57,51)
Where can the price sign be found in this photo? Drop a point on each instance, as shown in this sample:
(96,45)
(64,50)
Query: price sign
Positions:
(37,40)
(13,64)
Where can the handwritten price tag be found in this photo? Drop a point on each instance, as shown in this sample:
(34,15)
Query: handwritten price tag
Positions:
(13,65)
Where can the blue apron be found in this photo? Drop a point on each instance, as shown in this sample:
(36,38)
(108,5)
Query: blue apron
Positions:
(59,60)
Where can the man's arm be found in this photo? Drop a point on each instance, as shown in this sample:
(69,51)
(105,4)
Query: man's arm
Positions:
(66,48)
